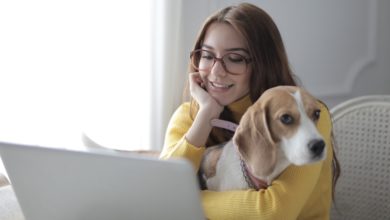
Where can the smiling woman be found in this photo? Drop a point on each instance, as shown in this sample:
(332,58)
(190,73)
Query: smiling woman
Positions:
(69,67)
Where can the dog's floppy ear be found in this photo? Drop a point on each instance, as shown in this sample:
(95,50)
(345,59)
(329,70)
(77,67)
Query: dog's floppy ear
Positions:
(254,141)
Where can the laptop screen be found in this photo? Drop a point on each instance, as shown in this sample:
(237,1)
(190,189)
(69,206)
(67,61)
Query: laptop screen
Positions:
(62,184)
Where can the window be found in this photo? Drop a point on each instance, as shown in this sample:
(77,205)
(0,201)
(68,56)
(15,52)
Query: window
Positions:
(73,67)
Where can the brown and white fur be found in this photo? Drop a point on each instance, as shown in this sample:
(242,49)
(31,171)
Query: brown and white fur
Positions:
(279,129)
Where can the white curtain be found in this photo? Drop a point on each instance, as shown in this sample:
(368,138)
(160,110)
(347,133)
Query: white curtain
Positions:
(169,67)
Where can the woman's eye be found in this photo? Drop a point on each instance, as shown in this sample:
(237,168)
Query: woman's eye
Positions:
(236,58)
(286,119)
(207,56)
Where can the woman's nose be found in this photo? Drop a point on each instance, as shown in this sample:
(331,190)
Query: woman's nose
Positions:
(218,69)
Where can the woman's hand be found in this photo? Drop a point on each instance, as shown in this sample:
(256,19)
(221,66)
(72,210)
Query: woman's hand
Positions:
(202,97)
(209,109)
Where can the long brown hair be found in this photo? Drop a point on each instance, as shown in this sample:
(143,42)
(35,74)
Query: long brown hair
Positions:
(270,66)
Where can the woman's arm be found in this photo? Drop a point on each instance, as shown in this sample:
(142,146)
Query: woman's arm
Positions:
(209,108)
(186,137)
(175,144)
(284,199)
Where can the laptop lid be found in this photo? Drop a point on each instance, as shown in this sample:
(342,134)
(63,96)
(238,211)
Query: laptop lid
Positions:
(62,184)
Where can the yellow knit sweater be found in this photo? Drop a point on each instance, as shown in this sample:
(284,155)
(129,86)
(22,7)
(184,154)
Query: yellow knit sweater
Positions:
(302,192)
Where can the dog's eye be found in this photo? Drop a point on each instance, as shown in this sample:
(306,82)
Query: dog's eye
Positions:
(316,114)
(286,119)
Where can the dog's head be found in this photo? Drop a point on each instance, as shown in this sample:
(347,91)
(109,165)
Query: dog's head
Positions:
(283,118)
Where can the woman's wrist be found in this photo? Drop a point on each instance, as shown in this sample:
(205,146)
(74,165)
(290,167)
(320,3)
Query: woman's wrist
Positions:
(200,130)
(210,111)
(207,114)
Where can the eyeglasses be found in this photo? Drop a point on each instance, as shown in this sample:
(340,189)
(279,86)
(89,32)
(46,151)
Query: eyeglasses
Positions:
(233,63)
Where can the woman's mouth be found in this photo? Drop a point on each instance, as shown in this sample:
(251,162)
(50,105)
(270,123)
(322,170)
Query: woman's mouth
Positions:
(220,85)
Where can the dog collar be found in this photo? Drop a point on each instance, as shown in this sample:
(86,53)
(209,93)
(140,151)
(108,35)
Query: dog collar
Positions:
(251,180)
(224,124)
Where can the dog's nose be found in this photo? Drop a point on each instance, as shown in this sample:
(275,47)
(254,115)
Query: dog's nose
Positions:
(317,146)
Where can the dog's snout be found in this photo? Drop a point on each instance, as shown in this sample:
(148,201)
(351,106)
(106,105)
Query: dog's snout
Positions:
(317,147)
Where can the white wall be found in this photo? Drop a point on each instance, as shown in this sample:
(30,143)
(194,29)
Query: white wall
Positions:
(339,49)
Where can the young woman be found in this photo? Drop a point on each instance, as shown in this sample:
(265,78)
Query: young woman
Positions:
(238,55)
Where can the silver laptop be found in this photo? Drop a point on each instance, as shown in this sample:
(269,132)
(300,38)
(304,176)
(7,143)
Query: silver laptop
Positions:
(57,184)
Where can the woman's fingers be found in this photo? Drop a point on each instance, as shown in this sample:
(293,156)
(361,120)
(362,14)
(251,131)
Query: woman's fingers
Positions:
(202,97)
(196,83)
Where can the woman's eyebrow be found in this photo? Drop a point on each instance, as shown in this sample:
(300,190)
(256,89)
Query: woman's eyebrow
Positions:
(233,49)
(207,46)
(237,49)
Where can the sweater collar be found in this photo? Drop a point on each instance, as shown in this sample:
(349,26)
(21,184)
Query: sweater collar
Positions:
(239,107)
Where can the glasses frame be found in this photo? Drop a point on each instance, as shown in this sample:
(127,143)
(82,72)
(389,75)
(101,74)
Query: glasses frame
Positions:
(195,63)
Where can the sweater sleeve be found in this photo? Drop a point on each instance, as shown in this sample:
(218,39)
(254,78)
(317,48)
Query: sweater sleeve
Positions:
(175,144)
(285,198)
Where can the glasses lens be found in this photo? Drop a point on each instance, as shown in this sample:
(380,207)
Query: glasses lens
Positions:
(235,63)
(203,60)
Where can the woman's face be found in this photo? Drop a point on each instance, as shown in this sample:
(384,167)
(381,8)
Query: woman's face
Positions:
(224,87)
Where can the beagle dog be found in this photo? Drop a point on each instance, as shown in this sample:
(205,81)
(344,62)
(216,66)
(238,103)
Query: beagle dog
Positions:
(279,129)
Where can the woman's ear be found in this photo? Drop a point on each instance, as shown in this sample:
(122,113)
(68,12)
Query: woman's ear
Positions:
(254,143)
